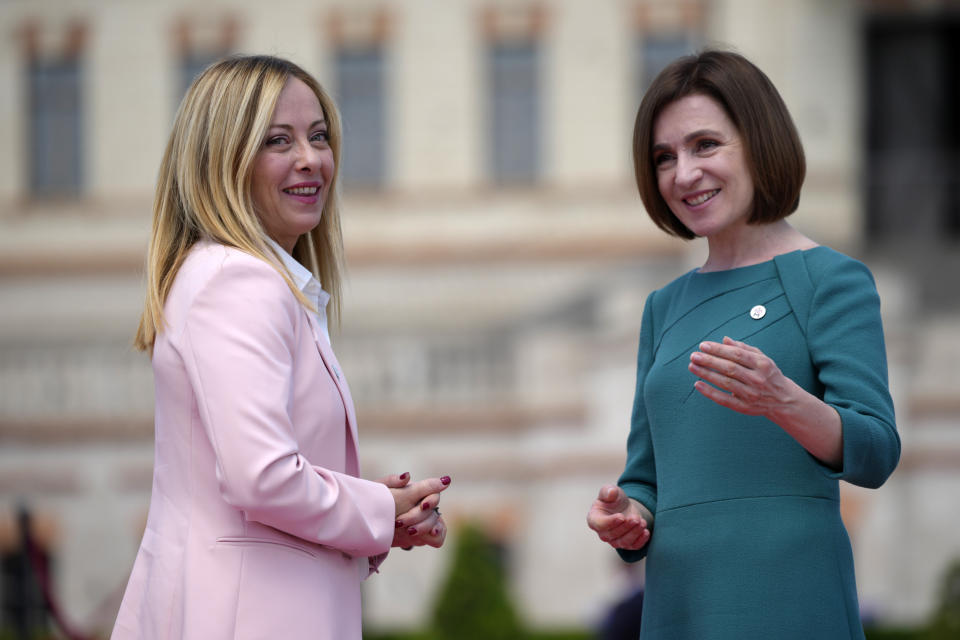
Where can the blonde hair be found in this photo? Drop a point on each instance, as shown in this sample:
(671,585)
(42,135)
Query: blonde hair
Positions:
(204,184)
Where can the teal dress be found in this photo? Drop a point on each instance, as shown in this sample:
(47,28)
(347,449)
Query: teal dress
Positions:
(747,541)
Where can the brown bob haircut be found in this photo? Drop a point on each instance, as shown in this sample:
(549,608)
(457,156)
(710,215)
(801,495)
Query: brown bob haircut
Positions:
(773,150)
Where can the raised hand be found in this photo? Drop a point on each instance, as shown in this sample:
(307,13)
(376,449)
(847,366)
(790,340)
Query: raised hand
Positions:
(742,378)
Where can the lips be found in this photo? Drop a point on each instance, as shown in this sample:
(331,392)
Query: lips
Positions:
(700,198)
(303,189)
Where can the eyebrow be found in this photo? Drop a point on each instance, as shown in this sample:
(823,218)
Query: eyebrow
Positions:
(699,133)
(290,127)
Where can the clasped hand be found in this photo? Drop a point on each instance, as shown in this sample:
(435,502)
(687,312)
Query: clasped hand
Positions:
(418,521)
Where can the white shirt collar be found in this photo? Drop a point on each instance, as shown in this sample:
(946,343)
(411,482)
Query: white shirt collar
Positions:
(307,283)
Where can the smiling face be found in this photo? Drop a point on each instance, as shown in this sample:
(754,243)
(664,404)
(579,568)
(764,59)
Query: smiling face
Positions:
(701,166)
(294,167)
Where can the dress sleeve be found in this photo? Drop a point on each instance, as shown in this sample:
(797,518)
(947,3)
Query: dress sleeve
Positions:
(238,347)
(845,338)
(639,478)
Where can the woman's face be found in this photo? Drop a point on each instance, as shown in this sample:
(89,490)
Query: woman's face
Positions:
(701,166)
(294,167)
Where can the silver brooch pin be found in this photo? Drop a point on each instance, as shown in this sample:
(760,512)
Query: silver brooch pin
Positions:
(758,312)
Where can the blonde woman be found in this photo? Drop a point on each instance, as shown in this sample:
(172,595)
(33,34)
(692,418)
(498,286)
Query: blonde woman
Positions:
(259,524)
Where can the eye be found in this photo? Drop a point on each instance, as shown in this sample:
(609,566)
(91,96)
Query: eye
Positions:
(320,136)
(662,159)
(707,144)
(276,140)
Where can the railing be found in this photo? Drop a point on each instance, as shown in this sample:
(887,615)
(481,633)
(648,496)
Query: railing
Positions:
(103,378)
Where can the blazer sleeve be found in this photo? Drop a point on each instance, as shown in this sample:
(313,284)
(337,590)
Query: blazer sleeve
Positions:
(639,477)
(845,338)
(238,346)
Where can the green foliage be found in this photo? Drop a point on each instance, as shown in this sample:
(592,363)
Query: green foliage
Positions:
(945,624)
(885,633)
(474,603)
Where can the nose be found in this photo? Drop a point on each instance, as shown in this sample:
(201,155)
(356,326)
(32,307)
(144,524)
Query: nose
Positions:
(308,159)
(688,170)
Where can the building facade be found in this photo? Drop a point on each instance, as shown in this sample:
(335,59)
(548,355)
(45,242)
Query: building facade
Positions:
(498,259)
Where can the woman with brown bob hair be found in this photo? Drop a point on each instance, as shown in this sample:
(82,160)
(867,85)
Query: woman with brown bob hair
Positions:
(761,378)
(260,525)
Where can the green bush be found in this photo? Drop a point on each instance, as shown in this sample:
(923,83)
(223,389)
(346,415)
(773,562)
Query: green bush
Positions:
(474,603)
(945,624)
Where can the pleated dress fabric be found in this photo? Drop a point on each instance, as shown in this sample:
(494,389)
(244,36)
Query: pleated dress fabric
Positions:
(747,537)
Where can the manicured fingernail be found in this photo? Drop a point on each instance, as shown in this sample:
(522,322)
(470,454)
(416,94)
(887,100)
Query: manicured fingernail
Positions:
(398,524)
(404,475)
(412,531)
(425,506)
(435,531)
(445,480)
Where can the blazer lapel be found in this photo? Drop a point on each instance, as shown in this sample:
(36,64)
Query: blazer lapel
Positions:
(333,368)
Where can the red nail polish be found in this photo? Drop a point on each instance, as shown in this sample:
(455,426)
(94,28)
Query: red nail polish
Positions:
(435,531)
(445,480)
(425,506)
(404,475)
(398,524)
(412,531)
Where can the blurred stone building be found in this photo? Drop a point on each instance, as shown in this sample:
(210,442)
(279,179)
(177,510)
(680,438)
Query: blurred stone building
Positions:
(499,258)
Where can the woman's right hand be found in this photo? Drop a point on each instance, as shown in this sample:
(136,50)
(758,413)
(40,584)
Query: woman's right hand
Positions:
(418,518)
(619,520)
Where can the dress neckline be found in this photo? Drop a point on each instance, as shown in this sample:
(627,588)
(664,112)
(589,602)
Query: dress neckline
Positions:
(759,266)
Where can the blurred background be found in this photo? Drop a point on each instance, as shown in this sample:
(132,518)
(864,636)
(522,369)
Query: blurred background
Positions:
(498,260)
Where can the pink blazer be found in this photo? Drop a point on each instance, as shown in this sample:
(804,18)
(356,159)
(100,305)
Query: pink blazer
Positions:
(258,525)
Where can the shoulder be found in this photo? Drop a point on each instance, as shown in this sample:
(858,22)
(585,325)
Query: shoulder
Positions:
(660,299)
(825,265)
(213,273)
(213,264)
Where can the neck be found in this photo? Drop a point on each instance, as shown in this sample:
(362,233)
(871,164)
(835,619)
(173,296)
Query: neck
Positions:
(752,244)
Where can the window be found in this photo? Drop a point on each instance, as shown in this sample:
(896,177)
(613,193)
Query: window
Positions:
(912,146)
(514,111)
(360,84)
(199,40)
(191,65)
(654,51)
(913,141)
(56,126)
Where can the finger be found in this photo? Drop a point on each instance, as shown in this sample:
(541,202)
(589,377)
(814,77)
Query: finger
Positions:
(414,516)
(412,494)
(731,350)
(635,539)
(436,535)
(396,480)
(611,494)
(711,375)
(623,530)
(601,522)
(425,526)
(430,502)
(725,398)
(424,488)
(729,364)
(743,345)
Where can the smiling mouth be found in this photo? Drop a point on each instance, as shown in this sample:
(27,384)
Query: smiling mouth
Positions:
(302,191)
(700,199)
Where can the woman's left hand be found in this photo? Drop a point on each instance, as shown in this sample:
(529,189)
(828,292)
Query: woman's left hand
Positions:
(742,378)
(422,525)
(745,379)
